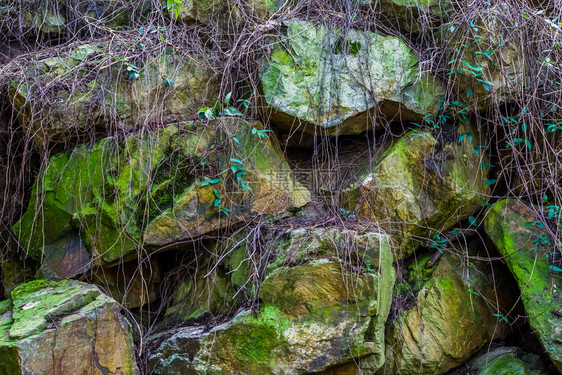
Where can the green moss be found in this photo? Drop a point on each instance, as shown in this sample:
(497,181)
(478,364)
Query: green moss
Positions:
(39,300)
(504,365)
(253,340)
(34,286)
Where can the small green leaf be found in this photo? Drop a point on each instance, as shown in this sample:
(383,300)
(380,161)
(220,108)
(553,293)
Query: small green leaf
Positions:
(236,161)
(555,268)
(468,92)
(490,182)
(217,195)
(486,165)
(472,221)
(227,99)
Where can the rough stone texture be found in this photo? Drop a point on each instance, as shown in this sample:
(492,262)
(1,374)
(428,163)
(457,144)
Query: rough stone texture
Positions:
(412,16)
(486,59)
(148,189)
(314,316)
(448,323)
(420,183)
(227,274)
(512,228)
(57,106)
(222,284)
(64,328)
(321,77)
(56,19)
(507,361)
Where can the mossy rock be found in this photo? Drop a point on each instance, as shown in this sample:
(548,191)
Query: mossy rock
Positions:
(450,320)
(412,16)
(117,194)
(316,77)
(228,278)
(420,185)
(222,283)
(507,361)
(63,327)
(362,249)
(514,230)
(487,63)
(314,316)
(77,106)
(58,19)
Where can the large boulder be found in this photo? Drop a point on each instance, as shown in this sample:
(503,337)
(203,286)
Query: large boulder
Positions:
(229,271)
(420,185)
(158,188)
(316,314)
(64,328)
(83,90)
(507,361)
(331,82)
(58,20)
(452,317)
(487,63)
(412,16)
(524,242)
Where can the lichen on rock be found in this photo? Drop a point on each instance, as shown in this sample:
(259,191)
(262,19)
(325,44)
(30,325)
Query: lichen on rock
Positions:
(519,237)
(151,188)
(64,327)
(330,80)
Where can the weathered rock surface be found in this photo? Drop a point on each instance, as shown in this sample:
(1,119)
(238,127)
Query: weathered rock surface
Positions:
(507,361)
(314,316)
(488,63)
(420,184)
(328,82)
(64,328)
(65,100)
(150,189)
(527,249)
(451,319)
(39,20)
(229,275)
(412,16)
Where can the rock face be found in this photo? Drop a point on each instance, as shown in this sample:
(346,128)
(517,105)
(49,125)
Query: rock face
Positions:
(314,316)
(328,82)
(523,241)
(412,16)
(228,277)
(36,19)
(507,361)
(164,88)
(486,60)
(451,319)
(64,328)
(152,188)
(420,184)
